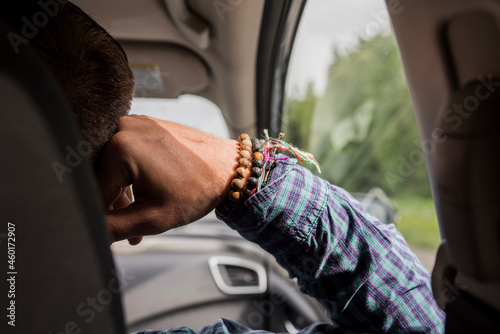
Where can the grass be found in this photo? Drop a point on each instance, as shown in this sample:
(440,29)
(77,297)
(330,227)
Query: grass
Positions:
(417,222)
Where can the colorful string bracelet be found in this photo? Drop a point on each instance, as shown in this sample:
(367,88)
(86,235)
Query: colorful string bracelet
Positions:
(260,157)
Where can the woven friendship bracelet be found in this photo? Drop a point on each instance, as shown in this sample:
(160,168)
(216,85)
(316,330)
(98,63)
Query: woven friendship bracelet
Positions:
(258,158)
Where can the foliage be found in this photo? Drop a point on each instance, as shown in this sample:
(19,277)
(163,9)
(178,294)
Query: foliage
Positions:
(417,222)
(362,129)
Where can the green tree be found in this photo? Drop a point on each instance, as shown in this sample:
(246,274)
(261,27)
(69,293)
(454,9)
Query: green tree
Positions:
(362,129)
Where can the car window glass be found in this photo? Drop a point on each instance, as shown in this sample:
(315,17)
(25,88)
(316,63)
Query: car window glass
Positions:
(348,103)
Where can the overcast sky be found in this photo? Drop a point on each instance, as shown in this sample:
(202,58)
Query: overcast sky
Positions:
(329,24)
(325,25)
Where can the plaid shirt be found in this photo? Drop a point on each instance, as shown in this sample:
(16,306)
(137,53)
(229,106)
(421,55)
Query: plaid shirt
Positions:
(359,269)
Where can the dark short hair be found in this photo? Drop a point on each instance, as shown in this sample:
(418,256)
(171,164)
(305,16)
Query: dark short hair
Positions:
(91,68)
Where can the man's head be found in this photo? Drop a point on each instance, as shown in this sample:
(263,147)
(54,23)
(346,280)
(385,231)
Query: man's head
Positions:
(91,68)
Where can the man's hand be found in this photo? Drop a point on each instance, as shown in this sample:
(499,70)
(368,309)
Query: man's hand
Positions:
(178,175)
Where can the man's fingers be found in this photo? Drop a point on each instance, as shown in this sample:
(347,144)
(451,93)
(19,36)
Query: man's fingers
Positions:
(127,222)
(124,200)
(115,171)
(139,219)
(130,194)
(135,241)
(112,183)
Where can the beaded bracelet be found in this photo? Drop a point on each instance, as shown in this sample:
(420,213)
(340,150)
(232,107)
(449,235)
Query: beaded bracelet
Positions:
(260,156)
(250,156)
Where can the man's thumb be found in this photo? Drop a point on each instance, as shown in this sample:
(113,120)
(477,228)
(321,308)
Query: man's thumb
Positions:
(135,220)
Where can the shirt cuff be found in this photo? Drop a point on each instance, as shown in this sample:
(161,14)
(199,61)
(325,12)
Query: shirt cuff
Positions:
(284,211)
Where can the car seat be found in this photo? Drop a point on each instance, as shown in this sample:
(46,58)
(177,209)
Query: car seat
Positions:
(450,51)
(62,278)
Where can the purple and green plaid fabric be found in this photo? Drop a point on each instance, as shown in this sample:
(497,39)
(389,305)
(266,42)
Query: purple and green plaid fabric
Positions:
(359,269)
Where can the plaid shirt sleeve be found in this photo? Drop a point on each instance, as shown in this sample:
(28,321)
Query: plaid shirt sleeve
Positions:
(359,269)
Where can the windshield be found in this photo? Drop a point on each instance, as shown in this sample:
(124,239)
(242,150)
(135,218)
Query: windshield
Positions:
(347,102)
(190,110)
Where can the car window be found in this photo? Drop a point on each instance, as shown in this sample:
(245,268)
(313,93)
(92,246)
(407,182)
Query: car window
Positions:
(190,110)
(347,102)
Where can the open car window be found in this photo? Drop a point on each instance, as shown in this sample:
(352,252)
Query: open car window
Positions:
(347,102)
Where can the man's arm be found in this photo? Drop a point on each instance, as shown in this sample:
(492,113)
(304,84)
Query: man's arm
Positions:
(360,270)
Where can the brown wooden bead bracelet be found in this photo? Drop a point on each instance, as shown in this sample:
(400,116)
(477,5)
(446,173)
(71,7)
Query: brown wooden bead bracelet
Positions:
(249,156)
